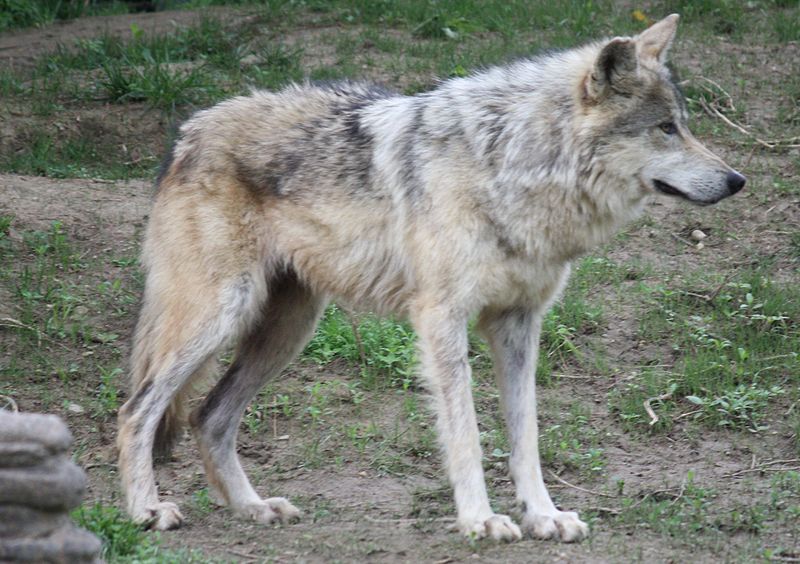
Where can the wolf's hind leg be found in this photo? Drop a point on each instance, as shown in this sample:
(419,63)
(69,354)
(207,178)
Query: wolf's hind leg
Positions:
(176,337)
(514,339)
(443,347)
(287,322)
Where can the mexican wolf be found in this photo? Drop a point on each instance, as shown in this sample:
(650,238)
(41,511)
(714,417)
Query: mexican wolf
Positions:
(469,201)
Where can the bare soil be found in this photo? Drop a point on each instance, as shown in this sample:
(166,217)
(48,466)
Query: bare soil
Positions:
(353,512)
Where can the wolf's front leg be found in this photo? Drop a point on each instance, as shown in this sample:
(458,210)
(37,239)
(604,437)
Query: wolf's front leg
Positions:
(514,338)
(443,347)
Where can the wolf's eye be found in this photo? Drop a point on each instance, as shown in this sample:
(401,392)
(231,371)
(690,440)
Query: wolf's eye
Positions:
(668,127)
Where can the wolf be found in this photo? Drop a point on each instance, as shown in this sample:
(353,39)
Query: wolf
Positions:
(469,201)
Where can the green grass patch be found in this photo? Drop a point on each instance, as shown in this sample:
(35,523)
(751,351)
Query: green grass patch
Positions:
(27,13)
(124,541)
(735,343)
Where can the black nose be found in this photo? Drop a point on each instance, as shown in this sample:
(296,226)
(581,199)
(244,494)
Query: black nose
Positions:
(735,182)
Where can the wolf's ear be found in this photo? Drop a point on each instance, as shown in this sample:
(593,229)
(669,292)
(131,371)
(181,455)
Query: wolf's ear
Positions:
(655,41)
(614,69)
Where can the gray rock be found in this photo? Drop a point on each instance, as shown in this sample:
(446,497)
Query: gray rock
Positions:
(68,545)
(20,521)
(58,484)
(22,454)
(46,430)
(39,484)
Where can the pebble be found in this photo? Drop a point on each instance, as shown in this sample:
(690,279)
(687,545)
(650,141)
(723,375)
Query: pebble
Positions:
(698,235)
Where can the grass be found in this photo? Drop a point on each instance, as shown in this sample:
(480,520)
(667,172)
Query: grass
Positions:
(25,13)
(736,341)
(124,541)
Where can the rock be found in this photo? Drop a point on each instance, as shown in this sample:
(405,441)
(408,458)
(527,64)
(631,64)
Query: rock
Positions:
(57,484)
(39,484)
(18,520)
(46,430)
(69,545)
(22,454)
(698,235)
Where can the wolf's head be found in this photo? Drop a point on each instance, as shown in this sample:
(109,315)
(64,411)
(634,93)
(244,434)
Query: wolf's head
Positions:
(639,116)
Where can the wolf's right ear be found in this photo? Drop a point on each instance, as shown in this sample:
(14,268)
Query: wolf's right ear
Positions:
(614,69)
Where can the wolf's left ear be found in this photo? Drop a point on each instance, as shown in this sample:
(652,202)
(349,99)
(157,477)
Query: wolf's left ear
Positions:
(614,69)
(655,41)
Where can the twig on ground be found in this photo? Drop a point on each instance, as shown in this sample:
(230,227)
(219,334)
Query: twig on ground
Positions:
(7,403)
(653,417)
(245,555)
(11,322)
(688,413)
(720,88)
(563,481)
(789,143)
(682,240)
(769,466)
(680,494)
(609,510)
(651,494)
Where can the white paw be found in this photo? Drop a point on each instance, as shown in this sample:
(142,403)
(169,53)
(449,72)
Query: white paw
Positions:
(497,527)
(162,516)
(270,510)
(564,526)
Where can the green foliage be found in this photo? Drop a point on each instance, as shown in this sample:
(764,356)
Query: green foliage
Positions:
(674,514)
(725,16)
(121,537)
(382,347)
(25,13)
(736,352)
(107,400)
(574,444)
(125,541)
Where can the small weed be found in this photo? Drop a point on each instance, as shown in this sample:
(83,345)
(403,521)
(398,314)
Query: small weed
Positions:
(202,501)
(676,514)
(125,541)
(121,537)
(158,83)
(383,348)
(573,444)
(786,26)
(107,399)
(742,407)
(277,66)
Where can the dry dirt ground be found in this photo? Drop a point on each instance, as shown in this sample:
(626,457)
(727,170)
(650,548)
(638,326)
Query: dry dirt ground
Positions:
(357,510)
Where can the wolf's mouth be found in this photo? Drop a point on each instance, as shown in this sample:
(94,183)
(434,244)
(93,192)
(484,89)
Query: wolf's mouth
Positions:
(665,188)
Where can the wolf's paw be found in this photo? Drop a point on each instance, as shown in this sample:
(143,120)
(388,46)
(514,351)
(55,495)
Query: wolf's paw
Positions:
(161,516)
(270,510)
(497,527)
(564,526)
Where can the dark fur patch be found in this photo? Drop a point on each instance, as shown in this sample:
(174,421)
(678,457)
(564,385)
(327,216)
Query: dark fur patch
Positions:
(166,164)
(216,398)
(413,184)
(133,404)
(271,178)
(647,112)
